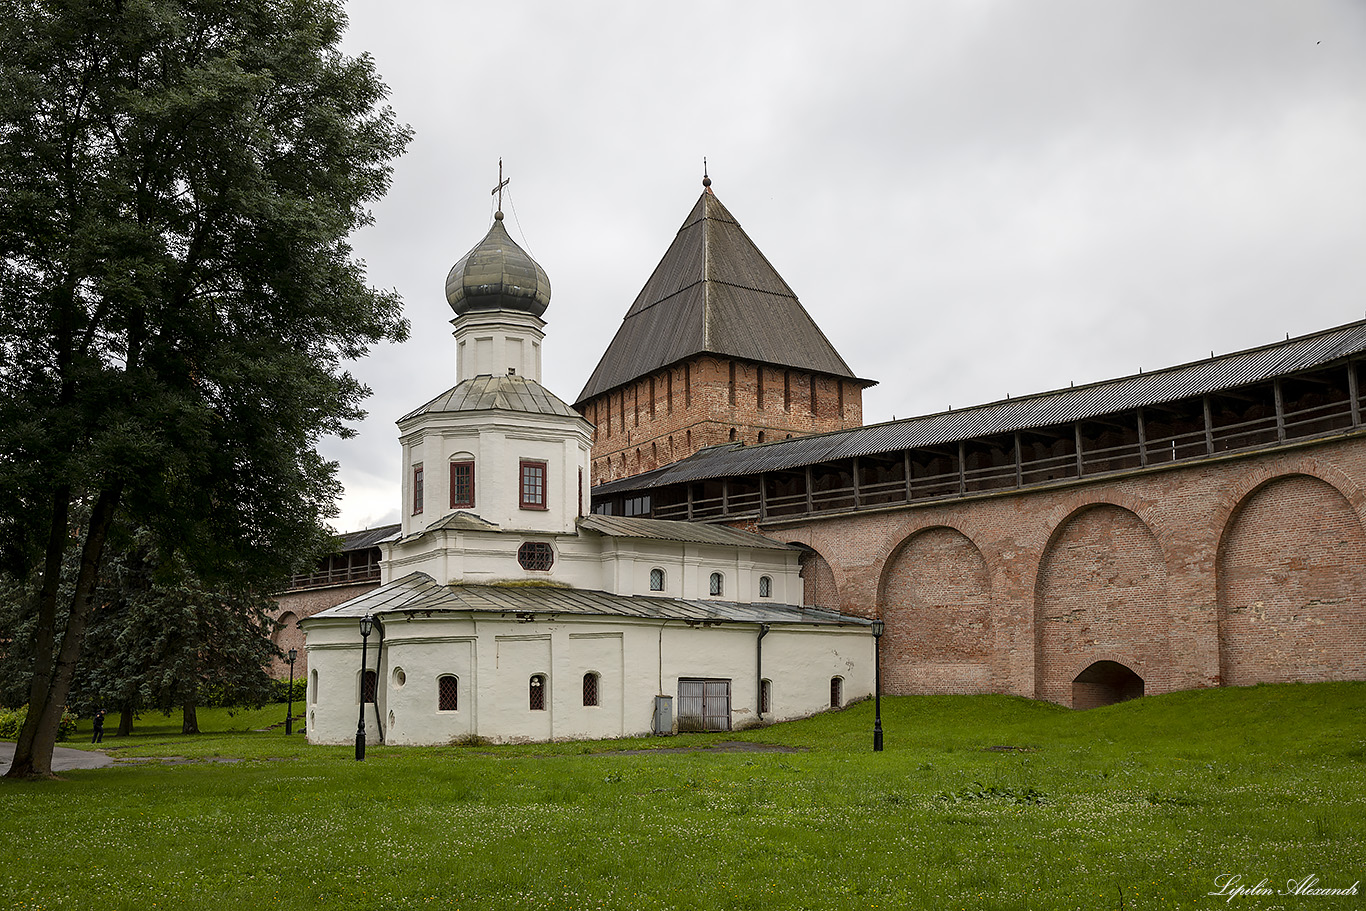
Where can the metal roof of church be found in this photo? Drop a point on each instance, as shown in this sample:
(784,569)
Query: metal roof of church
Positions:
(501,393)
(1039,410)
(419,593)
(668,530)
(713,292)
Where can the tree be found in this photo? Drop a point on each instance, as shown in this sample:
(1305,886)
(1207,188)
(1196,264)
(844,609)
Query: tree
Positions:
(160,639)
(177,295)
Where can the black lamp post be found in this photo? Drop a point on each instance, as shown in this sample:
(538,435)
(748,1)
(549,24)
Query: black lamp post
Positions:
(878,628)
(366,623)
(289,710)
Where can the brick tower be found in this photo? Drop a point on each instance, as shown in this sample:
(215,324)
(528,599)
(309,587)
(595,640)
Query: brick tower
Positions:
(716,348)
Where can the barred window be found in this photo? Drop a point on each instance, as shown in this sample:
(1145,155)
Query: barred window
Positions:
(765,587)
(765,696)
(536,555)
(367,687)
(836,692)
(448,693)
(417,489)
(536,700)
(656,580)
(590,688)
(718,586)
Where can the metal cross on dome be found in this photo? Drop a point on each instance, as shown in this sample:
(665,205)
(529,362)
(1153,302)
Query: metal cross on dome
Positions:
(501,183)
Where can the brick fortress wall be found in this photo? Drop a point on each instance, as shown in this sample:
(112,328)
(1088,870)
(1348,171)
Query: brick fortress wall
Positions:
(669,415)
(1237,570)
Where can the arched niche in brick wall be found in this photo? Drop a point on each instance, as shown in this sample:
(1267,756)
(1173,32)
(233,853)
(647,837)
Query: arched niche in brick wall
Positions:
(1289,572)
(935,597)
(288,636)
(1100,593)
(818,580)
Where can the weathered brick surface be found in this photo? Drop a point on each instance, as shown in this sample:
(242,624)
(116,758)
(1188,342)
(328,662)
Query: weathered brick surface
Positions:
(1126,568)
(1101,596)
(1290,586)
(673,413)
(936,601)
(291,607)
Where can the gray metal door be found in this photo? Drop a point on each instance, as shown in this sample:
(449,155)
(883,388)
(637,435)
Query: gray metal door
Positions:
(703,705)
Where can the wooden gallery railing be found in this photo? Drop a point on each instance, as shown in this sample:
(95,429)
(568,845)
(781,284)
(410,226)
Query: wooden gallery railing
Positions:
(1201,436)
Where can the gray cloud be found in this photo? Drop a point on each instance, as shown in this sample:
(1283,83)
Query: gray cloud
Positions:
(971,199)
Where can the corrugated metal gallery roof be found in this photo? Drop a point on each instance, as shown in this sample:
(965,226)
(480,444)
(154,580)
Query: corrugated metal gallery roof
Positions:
(665,530)
(713,292)
(418,592)
(364,540)
(501,393)
(1043,409)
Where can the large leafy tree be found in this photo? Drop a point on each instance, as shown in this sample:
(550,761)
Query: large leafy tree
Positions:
(177,296)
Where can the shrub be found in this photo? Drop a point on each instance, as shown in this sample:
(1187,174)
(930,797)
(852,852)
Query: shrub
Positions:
(281,690)
(12,721)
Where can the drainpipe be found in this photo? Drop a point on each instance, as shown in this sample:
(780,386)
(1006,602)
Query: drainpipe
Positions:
(379,677)
(759,665)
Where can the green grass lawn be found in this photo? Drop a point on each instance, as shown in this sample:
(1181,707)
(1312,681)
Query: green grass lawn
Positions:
(1153,799)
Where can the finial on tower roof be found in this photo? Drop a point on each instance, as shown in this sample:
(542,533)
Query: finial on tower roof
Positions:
(498,215)
(706,181)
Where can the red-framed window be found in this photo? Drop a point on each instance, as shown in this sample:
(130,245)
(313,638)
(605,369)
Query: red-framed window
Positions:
(533,485)
(462,485)
(417,489)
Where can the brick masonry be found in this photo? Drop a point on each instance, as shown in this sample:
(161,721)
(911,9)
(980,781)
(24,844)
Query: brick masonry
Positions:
(294,606)
(1237,570)
(672,413)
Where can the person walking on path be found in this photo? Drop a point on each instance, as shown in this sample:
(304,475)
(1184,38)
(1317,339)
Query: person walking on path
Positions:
(99,727)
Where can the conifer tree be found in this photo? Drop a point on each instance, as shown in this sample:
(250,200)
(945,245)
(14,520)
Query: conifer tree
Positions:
(178,181)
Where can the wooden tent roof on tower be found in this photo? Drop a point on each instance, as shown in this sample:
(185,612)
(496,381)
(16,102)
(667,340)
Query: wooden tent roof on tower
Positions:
(714,293)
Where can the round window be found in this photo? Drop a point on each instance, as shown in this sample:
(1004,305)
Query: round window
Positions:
(400,678)
(536,555)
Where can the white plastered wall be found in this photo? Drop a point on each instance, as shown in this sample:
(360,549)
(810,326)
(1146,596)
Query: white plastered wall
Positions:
(494,658)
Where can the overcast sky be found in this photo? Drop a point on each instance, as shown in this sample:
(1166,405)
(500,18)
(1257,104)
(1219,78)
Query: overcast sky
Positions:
(972,199)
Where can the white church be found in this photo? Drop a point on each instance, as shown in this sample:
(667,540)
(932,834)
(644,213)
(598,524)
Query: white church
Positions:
(508,614)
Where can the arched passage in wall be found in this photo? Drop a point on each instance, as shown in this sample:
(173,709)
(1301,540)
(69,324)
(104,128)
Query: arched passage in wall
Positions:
(1105,683)
(1101,593)
(935,598)
(818,580)
(1291,603)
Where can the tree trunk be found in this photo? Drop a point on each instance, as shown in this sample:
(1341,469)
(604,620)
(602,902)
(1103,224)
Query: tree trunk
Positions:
(125,721)
(48,692)
(44,634)
(190,722)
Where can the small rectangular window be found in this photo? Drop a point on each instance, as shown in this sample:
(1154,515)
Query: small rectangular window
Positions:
(536,696)
(417,489)
(590,688)
(368,686)
(462,485)
(533,485)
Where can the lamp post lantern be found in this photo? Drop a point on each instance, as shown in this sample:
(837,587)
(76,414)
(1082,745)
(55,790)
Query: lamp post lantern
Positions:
(878,628)
(366,624)
(289,709)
